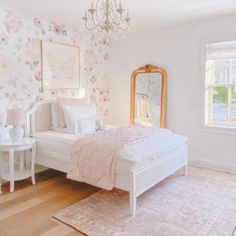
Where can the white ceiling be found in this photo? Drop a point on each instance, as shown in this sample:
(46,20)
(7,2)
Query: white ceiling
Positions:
(146,14)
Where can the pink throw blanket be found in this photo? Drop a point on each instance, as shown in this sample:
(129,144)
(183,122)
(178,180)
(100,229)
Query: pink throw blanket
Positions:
(94,156)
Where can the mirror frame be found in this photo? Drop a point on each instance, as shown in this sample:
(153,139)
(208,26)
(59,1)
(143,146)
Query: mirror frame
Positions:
(145,70)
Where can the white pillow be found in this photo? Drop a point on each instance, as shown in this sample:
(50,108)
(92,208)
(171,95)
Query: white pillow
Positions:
(55,119)
(73,114)
(86,126)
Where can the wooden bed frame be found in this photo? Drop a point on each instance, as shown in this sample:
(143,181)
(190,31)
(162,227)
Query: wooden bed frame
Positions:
(137,182)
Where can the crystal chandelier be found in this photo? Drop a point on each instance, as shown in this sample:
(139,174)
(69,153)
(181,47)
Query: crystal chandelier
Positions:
(107,17)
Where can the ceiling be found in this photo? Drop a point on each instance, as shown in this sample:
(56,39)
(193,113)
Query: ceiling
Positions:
(146,15)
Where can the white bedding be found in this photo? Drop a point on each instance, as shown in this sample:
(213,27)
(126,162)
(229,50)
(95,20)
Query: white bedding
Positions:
(58,146)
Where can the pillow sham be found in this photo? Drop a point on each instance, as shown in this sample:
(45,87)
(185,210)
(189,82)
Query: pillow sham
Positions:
(86,126)
(68,102)
(54,116)
(74,114)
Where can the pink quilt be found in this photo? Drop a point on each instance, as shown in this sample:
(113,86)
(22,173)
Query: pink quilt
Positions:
(94,156)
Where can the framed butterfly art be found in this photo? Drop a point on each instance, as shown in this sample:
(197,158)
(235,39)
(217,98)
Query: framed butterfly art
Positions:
(60,65)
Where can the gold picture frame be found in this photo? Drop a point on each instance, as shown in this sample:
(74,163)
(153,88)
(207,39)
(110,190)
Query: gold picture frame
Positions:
(60,65)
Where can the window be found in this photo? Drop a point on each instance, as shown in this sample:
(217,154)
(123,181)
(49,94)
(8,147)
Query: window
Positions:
(220,102)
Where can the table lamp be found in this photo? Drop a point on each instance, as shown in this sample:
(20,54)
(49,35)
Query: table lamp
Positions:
(16,117)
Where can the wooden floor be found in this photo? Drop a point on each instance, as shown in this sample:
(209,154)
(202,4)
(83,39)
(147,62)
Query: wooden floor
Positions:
(29,210)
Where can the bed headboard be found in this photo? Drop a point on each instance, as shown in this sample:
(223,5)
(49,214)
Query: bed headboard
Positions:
(38,118)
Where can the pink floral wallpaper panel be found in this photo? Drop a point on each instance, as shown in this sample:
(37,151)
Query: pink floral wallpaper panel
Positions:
(20,62)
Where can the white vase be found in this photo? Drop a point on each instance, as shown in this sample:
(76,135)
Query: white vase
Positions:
(16,133)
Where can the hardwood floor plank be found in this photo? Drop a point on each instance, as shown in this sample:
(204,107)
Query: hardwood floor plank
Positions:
(6,196)
(75,233)
(33,219)
(19,208)
(43,195)
(59,230)
(29,210)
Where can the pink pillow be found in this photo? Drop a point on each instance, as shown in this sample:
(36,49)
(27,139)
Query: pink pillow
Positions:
(68,102)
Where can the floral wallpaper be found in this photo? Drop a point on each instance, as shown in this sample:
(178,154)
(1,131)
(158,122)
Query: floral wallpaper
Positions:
(20,62)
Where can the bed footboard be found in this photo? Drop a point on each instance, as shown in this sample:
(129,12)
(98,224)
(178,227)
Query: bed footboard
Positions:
(145,178)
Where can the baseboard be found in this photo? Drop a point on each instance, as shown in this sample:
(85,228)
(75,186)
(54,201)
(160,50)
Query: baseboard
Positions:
(39,168)
(215,165)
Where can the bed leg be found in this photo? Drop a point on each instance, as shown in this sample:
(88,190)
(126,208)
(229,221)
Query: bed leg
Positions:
(132,194)
(186,170)
(132,202)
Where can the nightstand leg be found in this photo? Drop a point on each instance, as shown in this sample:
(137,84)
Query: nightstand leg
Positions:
(22,160)
(33,163)
(11,166)
(1,171)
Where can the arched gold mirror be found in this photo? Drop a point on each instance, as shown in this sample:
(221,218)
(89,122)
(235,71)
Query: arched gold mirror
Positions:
(148,96)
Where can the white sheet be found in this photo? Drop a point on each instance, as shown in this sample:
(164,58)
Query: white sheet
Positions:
(58,146)
(154,145)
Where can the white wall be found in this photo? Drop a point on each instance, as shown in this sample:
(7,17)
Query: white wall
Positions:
(178,50)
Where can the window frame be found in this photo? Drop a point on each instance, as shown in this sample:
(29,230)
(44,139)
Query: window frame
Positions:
(209,96)
(205,126)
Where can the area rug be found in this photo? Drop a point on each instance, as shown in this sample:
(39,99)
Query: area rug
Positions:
(203,203)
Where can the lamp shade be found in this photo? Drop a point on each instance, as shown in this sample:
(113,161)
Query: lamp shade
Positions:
(16,117)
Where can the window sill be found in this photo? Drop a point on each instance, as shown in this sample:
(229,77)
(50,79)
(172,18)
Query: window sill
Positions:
(219,129)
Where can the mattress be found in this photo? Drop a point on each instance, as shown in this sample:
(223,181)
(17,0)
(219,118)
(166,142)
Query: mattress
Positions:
(57,145)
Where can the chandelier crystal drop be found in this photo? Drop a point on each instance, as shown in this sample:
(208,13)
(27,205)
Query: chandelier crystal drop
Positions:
(107,17)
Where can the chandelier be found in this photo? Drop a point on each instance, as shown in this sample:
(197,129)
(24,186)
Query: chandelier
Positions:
(107,17)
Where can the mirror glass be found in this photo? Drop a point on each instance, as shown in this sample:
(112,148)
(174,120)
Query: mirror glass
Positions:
(148,92)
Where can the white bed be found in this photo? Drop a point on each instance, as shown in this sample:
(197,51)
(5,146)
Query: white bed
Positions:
(54,148)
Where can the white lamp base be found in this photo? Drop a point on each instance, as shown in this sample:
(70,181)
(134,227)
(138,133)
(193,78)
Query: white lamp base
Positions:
(16,133)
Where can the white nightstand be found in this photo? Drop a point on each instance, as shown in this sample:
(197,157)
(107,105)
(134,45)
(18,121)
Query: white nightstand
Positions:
(17,174)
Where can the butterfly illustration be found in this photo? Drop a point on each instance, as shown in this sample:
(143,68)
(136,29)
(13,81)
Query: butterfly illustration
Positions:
(58,68)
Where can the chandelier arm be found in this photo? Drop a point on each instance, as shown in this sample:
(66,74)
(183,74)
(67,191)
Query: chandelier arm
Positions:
(126,22)
(92,25)
(97,21)
(115,14)
(125,28)
(100,10)
(116,17)
(95,26)
(91,28)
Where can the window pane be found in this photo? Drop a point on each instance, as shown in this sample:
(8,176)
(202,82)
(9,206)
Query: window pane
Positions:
(233,71)
(234,94)
(233,106)
(210,71)
(221,84)
(219,71)
(220,95)
(222,72)
(220,104)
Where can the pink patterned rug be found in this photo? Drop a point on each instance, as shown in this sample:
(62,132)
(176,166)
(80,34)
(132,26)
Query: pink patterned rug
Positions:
(203,203)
